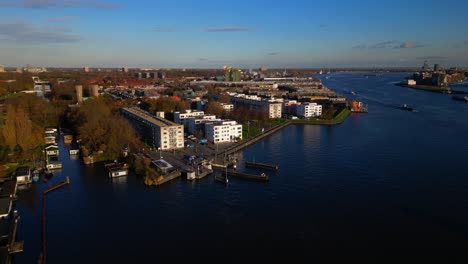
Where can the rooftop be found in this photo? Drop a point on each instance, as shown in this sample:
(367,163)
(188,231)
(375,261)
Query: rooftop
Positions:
(161,122)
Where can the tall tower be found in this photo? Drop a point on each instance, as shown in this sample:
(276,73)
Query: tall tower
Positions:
(79,93)
(94,90)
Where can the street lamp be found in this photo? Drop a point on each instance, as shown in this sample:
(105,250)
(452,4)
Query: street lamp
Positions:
(248,129)
(159,148)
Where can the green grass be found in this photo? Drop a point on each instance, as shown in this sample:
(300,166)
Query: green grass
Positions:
(250,133)
(11,95)
(276,121)
(336,120)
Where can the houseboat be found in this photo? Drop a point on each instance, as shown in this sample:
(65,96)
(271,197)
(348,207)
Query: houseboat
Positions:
(52,149)
(116,170)
(67,139)
(53,162)
(23,175)
(50,140)
(74,150)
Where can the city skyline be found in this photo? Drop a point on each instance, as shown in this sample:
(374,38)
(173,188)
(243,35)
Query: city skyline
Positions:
(246,34)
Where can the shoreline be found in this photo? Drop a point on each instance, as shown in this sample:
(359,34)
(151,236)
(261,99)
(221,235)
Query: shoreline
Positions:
(430,88)
(338,119)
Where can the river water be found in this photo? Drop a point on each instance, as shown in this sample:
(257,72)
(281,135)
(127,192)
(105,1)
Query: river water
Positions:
(387,182)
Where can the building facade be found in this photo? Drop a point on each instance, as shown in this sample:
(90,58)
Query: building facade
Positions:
(156,132)
(180,117)
(308,110)
(223,131)
(196,124)
(273,107)
(227,107)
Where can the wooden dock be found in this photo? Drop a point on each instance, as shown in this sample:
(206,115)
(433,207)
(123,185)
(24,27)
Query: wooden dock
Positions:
(203,174)
(256,165)
(168,177)
(248,176)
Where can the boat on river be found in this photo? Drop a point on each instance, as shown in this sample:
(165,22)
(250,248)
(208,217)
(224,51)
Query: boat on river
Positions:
(460,98)
(407,108)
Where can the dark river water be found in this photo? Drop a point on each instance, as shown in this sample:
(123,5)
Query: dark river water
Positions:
(390,182)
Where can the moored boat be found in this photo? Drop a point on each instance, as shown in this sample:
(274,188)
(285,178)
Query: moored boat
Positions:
(116,170)
(358,107)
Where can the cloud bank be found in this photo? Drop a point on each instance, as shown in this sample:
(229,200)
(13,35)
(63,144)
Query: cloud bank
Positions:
(227,29)
(24,33)
(47,4)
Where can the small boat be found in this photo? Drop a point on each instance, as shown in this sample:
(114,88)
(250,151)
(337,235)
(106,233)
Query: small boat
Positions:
(460,98)
(35,176)
(407,108)
(353,92)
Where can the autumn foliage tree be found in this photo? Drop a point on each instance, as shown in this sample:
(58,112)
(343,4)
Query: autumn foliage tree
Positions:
(100,129)
(214,108)
(19,132)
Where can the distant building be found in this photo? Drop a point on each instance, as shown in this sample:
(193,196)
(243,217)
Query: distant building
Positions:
(272,107)
(86,69)
(436,67)
(411,82)
(223,131)
(228,75)
(156,132)
(196,124)
(308,110)
(426,67)
(180,117)
(289,107)
(124,69)
(19,70)
(2,68)
(227,107)
(236,75)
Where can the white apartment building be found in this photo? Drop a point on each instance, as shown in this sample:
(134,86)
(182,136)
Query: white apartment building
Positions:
(180,117)
(307,110)
(223,131)
(155,131)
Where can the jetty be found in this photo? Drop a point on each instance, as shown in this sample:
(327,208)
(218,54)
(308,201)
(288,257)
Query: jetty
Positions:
(256,165)
(248,176)
(152,180)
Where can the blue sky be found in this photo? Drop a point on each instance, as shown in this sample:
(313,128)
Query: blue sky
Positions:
(248,34)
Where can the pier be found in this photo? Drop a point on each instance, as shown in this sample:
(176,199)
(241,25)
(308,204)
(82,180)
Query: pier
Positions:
(158,180)
(256,165)
(247,176)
